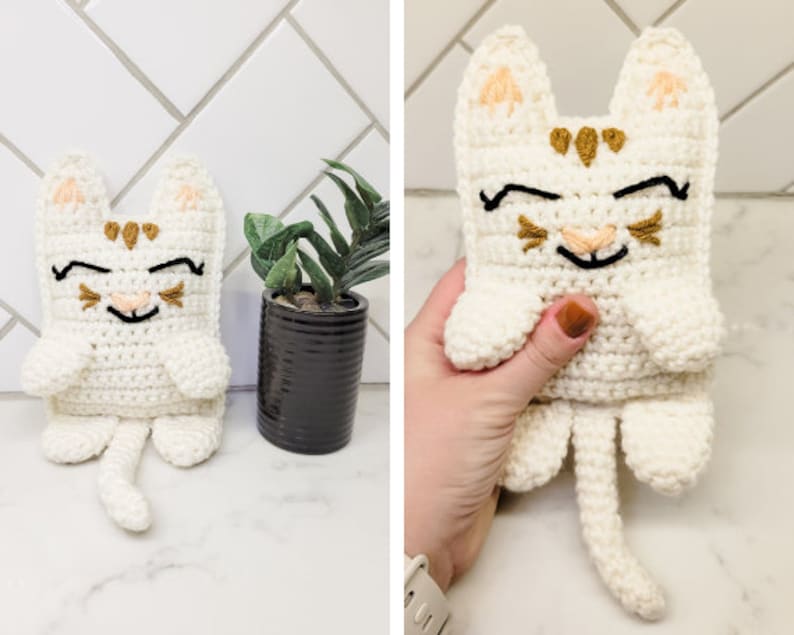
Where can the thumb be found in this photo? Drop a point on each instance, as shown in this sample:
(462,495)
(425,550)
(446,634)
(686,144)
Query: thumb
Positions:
(562,331)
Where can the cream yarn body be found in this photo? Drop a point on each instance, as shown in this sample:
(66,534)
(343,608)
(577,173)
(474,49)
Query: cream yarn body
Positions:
(615,207)
(130,337)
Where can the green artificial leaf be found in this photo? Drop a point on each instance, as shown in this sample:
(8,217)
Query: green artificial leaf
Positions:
(320,282)
(276,245)
(381,211)
(282,271)
(339,241)
(333,264)
(364,273)
(369,251)
(259,227)
(261,267)
(369,194)
(357,212)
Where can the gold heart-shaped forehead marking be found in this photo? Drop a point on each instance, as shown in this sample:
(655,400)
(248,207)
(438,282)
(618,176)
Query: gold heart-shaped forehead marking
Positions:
(560,139)
(151,230)
(615,138)
(130,234)
(112,230)
(586,145)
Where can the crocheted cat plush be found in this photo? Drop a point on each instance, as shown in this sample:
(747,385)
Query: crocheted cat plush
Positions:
(130,336)
(616,207)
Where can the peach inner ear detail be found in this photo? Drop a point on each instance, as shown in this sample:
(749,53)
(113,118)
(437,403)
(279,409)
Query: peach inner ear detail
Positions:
(188,198)
(67,193)
(501,88)
(666,87)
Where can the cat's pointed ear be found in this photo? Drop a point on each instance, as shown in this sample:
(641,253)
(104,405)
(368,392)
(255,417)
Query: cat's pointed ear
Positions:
(72,191)
(505,88)
(662,80)
(186,190)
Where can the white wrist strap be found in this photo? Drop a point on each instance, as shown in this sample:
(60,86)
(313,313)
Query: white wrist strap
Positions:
(426,608)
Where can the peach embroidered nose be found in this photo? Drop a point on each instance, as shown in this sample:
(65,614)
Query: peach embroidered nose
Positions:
(130,303)
(582,244)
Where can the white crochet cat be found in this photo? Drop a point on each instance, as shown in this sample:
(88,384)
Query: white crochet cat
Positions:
(616,207)
(130,335)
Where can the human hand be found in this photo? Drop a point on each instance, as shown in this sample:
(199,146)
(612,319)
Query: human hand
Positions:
(458,425)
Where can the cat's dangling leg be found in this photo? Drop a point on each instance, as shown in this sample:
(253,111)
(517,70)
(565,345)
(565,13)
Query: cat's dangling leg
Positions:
(597,493)
(74,439)
(124,502)
(540,443)
(185,440)
(667,440)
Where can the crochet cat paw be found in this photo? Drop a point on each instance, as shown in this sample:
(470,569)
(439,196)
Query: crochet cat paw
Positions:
(668,441)
(68,439)
(679,322)
(489,322)
(540,443)
(55,363)
(197,363)
(185,441)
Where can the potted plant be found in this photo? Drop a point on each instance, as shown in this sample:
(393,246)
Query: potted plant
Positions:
(313,326)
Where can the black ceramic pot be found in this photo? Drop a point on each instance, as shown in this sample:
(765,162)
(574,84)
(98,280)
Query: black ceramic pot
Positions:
(309,374)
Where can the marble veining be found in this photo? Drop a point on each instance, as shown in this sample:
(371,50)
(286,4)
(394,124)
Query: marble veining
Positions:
(255,541)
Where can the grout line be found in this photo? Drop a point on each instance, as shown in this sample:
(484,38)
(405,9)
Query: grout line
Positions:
(304,193)
(125,61)
(439,193)
(21,155)
(10,395)
(670,11)
(763,87)
(785,189)
(8,327)
(618,11)
(466,47)
(455,39)
(21,318)
(230,72)
(376,325)
(337,75)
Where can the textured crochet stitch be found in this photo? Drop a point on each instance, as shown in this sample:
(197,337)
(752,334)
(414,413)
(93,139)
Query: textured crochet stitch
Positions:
(617,207)
(130,339)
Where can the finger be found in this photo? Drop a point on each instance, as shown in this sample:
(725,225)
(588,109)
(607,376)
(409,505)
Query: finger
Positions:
(434,313)
(562,331)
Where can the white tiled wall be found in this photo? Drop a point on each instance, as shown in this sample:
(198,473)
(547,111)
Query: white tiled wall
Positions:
(746,47)
(259,89)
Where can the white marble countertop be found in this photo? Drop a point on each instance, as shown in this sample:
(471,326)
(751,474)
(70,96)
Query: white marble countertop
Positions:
(255,541)
(725,551)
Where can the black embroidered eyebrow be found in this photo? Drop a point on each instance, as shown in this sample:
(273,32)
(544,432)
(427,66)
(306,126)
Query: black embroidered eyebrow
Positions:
(196,269)
(60,275)
(679,193)
(491,204)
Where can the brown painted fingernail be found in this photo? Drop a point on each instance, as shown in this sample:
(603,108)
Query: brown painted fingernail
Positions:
(574,319)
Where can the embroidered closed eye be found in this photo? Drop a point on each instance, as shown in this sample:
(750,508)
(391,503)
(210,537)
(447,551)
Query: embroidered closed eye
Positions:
(61,274)
(680,193)
(174,295)
(645,230)
(534,234)
(194,268)
(88,297)
(490,204)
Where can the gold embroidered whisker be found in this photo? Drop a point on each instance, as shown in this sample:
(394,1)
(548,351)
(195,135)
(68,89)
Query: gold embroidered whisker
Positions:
(645,230)
(174,295)
(88,296)
(536,235)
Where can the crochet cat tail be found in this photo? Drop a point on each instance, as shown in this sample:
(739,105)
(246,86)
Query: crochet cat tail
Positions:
(602,528)
(123,501)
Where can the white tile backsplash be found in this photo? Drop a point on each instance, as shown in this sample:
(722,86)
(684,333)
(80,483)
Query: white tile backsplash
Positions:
(185,49)
(63,89)
(361,55)
(261,134)
(18,279)
(742,45)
